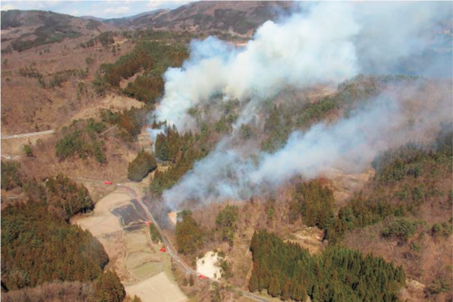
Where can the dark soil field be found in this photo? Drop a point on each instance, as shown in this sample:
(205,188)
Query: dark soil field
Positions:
(128,215)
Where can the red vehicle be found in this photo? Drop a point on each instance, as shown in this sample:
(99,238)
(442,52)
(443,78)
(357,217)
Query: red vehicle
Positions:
(202,277)
(107,182)
(163,250)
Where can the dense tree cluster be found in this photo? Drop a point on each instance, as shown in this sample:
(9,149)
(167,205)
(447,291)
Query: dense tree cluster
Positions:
(129,122)
(281,120)
(415,159)
(287,271)
(108,287)
(408,167)
(182,151)
(127,66)
(39,246)
(65,194)
(278,126)
(315,203)
(82,139)
(226,223)
(145,89)
(189,237)
(401,228)
(153,58)
(359,213)
(141,166)
(169,144)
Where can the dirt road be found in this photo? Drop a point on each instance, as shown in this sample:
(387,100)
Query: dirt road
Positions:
(172,252)
(11,157)
(118,223)
(138,288)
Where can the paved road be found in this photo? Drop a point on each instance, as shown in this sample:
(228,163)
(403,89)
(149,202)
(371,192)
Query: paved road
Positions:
(27,134)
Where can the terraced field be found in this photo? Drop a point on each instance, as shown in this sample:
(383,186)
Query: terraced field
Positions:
(119,224)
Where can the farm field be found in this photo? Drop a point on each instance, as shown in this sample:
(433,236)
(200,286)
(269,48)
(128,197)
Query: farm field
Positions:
(118,223)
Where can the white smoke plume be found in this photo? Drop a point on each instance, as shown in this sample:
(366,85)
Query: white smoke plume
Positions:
(394,31)
(280,55)
(323,43)
(320,43)
(349,145)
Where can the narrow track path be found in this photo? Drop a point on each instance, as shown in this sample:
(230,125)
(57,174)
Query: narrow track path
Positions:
(27,134)
(169,247)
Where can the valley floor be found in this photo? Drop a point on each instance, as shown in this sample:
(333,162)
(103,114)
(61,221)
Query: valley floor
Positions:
(145,271)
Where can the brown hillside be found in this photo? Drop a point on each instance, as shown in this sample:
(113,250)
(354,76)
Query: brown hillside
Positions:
(210,16)
(45,86)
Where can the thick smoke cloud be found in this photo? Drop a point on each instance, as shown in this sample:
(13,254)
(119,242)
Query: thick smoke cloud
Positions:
(319,44)
(349,145)
(393,32)
(324,43)
(280,55)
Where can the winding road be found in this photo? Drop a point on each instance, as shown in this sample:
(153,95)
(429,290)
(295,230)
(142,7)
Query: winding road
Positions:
(172,252)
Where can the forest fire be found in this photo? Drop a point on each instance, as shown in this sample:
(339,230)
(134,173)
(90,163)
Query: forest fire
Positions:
(227,151)
(172,216)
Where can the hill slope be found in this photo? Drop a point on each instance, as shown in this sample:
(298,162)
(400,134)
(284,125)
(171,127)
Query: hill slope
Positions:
(23,30)
(210,16)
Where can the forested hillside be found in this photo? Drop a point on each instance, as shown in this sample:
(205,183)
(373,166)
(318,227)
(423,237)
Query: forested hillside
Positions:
(40,247)
(151,59)
(406,183)
(402,215)
(227,151)
(181,151)
(288,271)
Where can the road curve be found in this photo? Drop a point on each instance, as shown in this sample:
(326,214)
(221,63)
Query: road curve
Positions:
(174,254)
(27,134)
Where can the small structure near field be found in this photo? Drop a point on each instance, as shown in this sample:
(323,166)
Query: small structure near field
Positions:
(107,182)
(202,277)
(163,250)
